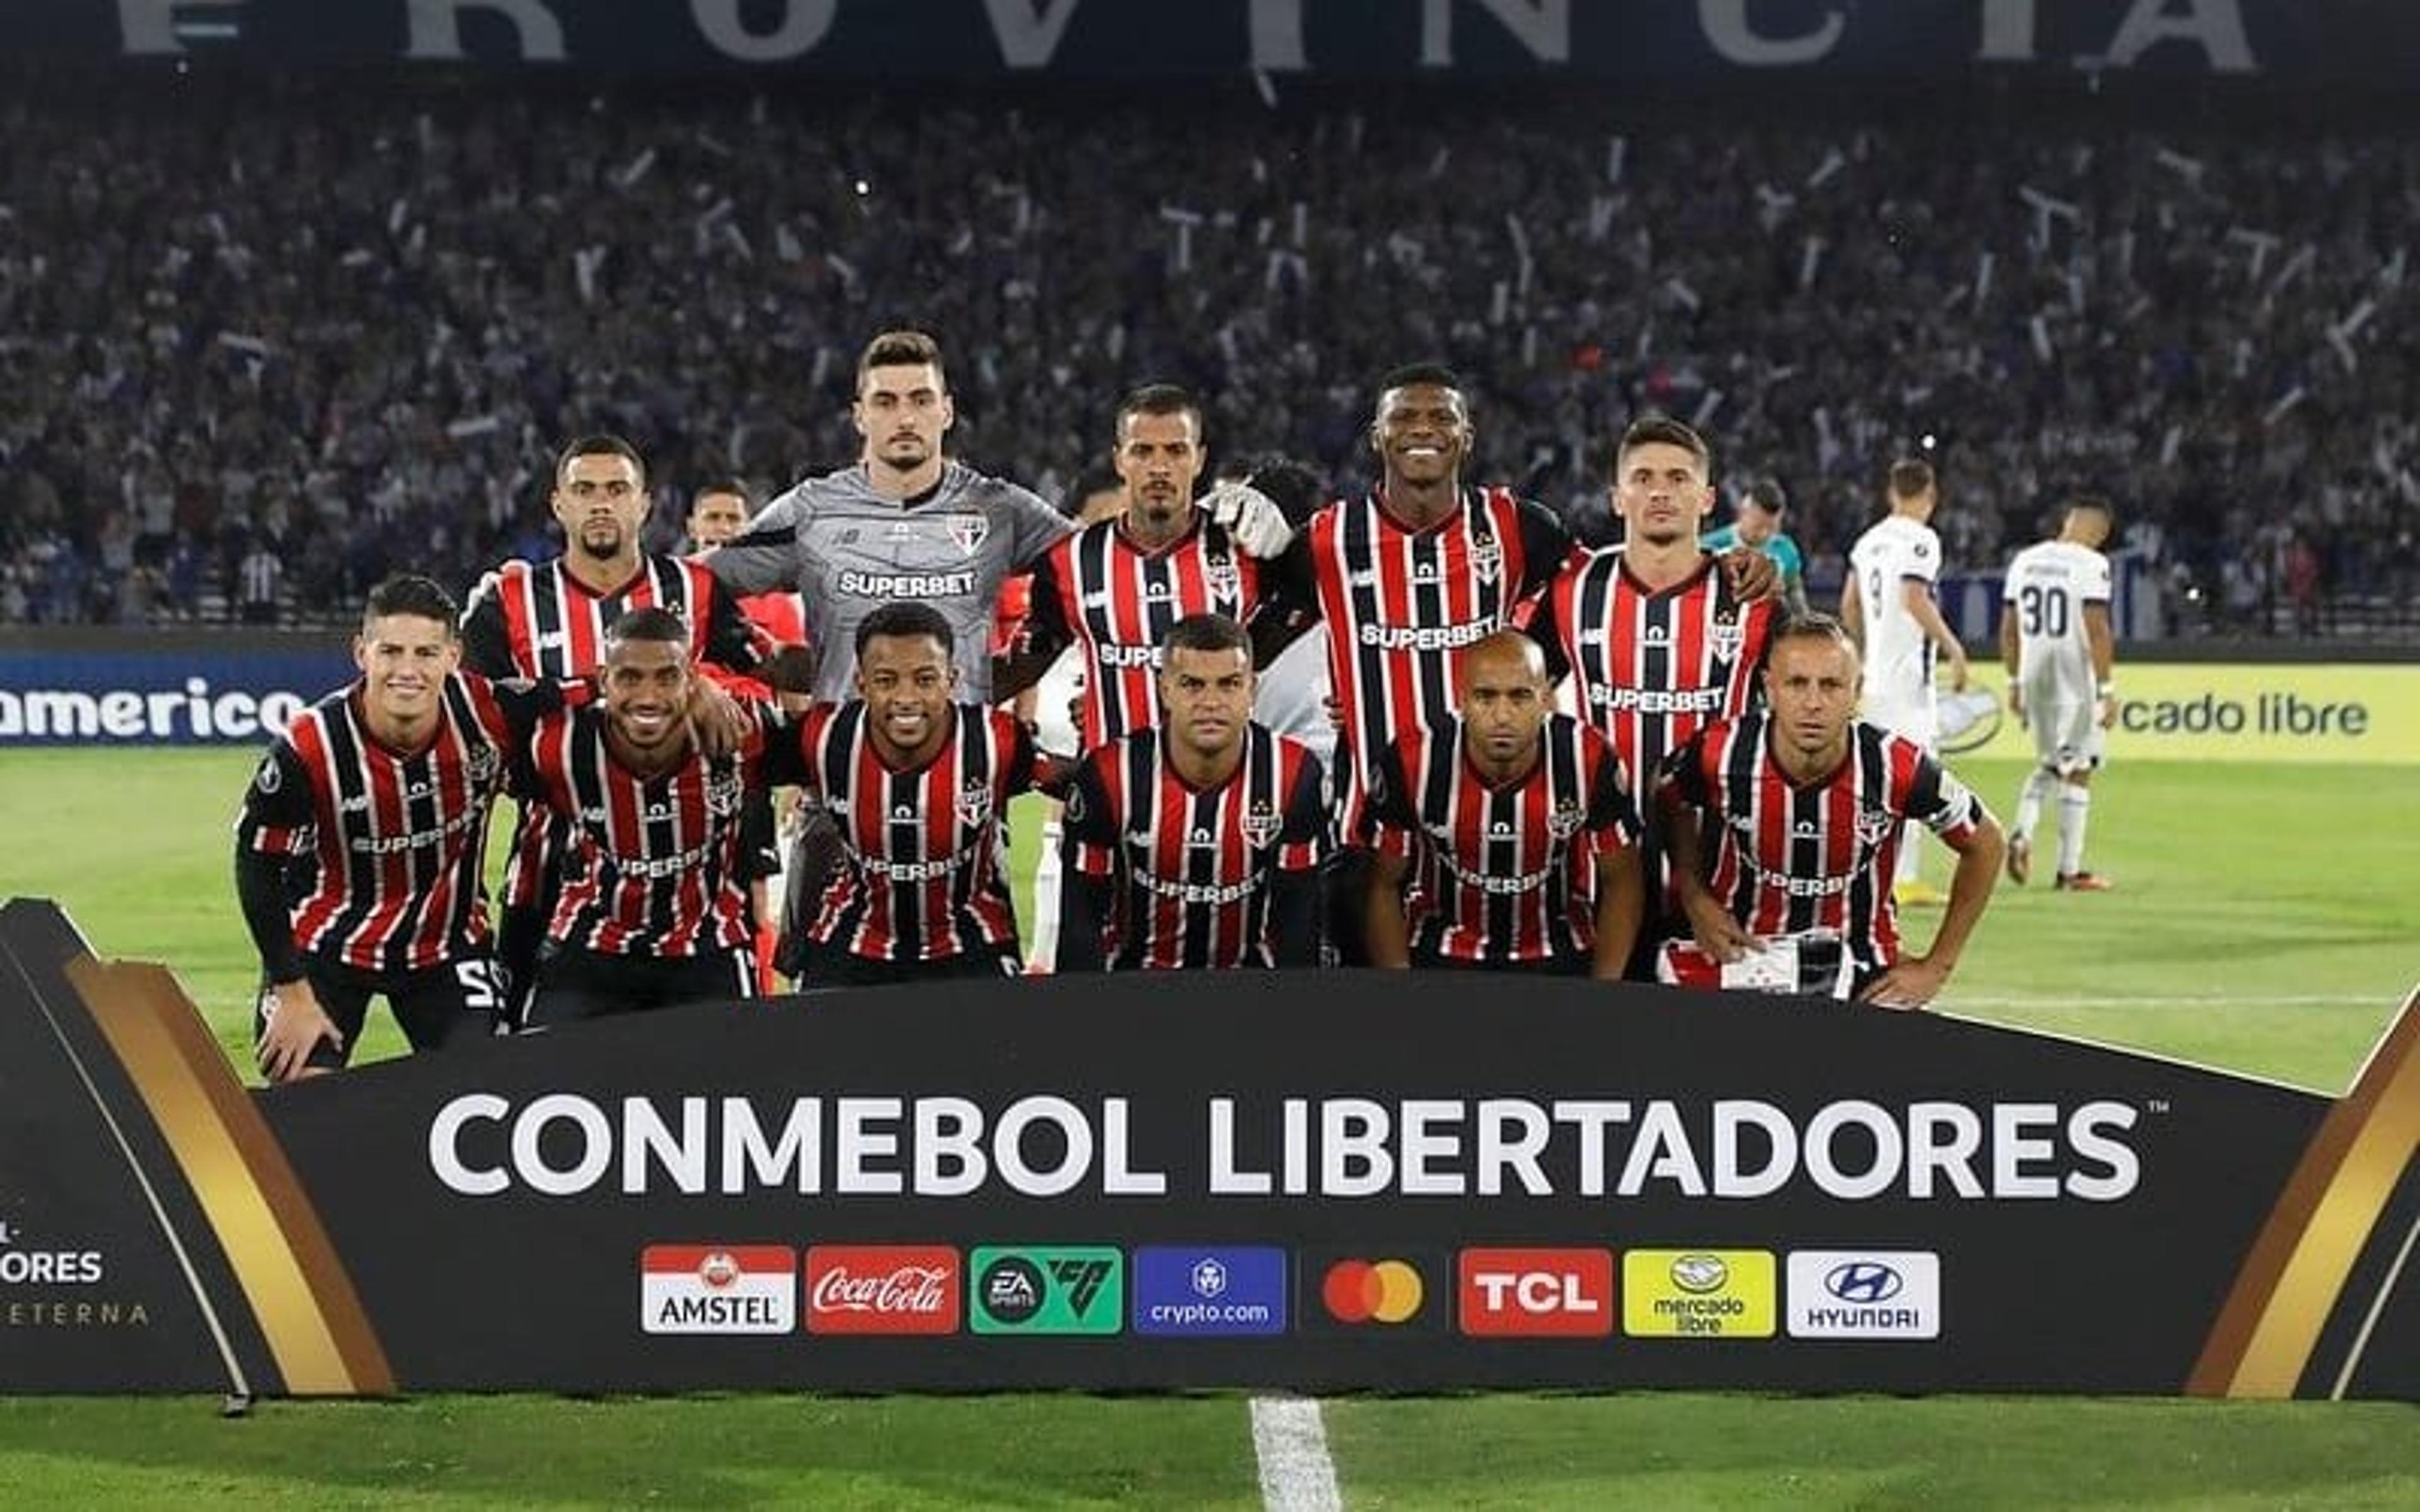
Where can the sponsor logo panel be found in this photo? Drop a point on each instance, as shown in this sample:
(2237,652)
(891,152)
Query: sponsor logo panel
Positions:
(883,1288)
(718,1289)
(1046,1288)
(1699,1293)
(1375,1291)
(1864,1294)
(1552,1293)
(1210,1291)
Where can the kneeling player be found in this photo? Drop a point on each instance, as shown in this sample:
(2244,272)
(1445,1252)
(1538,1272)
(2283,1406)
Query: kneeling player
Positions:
(1786,824)
(358,851)
(653,911)
(1196,842)
(1513,824)
(920,785)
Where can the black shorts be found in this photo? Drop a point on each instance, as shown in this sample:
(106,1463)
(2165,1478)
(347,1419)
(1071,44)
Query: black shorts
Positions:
(432,1006)
(1430,961)
(830,967)
(575,984)
(760,846)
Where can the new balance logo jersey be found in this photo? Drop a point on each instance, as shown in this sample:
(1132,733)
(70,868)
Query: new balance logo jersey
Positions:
(849,550)
(920,877)
(536,620)
(1818,860)
(1113,600)
(1653,667)
(383,848)
(1502,875)
(1193,870)
(650,865)
(1402,605)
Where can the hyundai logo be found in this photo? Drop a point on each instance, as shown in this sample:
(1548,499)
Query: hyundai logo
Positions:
(1863,1281)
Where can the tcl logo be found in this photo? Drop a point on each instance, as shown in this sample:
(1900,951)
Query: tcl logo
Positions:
(883,1288)
(1563,1293)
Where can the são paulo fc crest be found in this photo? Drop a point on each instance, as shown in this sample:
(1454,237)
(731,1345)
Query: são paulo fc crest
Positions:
(1564,821)
(968,530)
(1728,636)
(482,763)
(722,792)
(1874,825)
(1259,824)
(974,802)
(1486,558)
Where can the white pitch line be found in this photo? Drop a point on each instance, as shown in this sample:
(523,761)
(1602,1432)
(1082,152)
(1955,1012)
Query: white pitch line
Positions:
(1291,1443)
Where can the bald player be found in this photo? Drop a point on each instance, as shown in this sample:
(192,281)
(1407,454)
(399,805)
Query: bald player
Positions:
(1513,824)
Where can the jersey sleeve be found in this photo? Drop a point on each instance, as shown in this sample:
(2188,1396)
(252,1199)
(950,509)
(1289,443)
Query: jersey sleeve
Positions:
(278,817)
(1937,800)
(1610,815)
(1034,527)
(1302,833)
(2095,585)
(1922,557)
(732,640)
(1090,823)
(763,556)
(1545,547)
(1019,761)
(486,639)
(1392,823)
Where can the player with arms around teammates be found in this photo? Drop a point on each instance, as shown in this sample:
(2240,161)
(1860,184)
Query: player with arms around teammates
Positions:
(2056,641)
(362,837)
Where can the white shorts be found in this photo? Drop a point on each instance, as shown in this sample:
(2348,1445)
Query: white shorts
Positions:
(1904,712)
(2066,727)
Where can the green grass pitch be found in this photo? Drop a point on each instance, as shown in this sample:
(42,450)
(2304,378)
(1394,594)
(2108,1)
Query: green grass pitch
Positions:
(2266,923)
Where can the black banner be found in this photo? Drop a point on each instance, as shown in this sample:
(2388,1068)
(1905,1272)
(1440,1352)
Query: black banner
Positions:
(1647,41)
(1316,1182)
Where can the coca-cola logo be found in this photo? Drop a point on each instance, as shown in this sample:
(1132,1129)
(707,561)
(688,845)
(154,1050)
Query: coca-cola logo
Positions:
(884,1288)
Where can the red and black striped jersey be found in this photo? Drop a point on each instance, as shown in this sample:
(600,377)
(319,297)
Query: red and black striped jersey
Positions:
(1502,875)
(920,877)
(1193,869)
(536,620)
(1814,859)
(650,864)
(382,849)
(1402,605)
(1099,591)
(1654,666)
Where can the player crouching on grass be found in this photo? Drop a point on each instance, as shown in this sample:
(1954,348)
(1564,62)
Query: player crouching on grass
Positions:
(359,847)
(1806,804)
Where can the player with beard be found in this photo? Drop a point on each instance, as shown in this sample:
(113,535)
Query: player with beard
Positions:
(1785,825)
(546,621)
(1196,841)
(919,784)
(653,906)
(1511,824)
(359,849)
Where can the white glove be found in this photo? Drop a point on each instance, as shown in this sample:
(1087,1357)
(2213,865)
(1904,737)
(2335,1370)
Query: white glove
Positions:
(1252,518)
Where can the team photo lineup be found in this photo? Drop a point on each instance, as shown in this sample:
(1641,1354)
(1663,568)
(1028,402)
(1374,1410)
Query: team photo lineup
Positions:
(1421,728)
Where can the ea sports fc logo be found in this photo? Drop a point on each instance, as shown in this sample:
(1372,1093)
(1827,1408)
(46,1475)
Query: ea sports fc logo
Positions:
(1365,1291)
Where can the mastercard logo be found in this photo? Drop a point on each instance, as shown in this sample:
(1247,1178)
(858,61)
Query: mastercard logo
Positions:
(1367,1291)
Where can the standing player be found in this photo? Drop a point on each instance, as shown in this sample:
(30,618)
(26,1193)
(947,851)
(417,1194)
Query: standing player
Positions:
(1801,806)
(1511,823)
(2056,642)
(920,785)
(1756,521)
(653,906)
(546,621)
(1196,840)
(1888,608)
(359,848)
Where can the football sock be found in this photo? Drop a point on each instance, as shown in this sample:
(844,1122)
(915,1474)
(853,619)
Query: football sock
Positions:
(2074,808)
(2030,802)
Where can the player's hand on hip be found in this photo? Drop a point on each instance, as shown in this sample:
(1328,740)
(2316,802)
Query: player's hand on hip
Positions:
(1910,984)
(294,1023)
(1753,574)
(716,720)
(1252,516)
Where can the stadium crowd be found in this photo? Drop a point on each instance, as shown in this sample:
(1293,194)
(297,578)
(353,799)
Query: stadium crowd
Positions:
(264,342)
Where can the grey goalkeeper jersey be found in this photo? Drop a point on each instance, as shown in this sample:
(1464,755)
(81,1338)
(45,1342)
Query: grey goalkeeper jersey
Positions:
(849,551)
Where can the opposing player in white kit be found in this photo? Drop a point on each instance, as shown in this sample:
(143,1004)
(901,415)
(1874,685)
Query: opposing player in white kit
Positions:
(2056,641)
(1889,606)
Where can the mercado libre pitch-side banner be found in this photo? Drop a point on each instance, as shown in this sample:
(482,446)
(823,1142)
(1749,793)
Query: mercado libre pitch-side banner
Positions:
(1319,1182)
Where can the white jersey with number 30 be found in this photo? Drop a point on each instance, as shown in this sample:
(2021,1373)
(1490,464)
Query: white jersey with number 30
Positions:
(1899,656)
(2048,586)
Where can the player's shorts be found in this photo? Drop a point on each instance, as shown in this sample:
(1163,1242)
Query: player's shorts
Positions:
(1575,966)
(575,984)
(431,1005)
(2066,727)
(831,966)
(1908,711)
(760,846)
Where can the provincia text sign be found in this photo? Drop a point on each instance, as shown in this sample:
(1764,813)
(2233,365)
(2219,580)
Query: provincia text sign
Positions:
(1317,1182)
